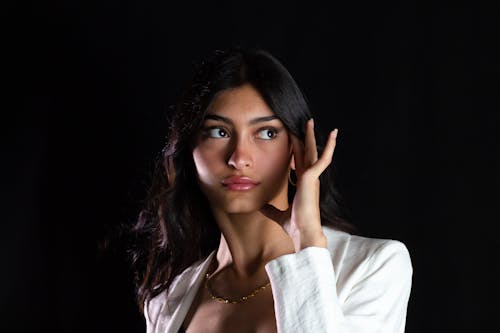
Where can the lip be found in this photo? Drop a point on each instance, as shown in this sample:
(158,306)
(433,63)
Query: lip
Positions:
(239,183)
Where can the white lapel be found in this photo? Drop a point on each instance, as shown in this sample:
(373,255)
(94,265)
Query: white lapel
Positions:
(181,295)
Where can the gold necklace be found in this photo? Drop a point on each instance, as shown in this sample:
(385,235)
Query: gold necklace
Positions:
(233,301)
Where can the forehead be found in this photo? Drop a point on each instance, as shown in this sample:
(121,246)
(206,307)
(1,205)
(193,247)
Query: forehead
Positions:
(243,101)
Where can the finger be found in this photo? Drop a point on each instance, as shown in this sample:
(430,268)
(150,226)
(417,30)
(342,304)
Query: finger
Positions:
(327,156)
(298,153)
(311,150)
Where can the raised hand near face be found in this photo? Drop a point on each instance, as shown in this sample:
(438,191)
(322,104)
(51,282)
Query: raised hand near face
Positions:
(302,222)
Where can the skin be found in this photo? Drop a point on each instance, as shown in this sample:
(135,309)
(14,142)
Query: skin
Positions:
(257,225)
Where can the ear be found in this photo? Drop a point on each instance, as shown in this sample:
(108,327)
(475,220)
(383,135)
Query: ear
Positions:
(292,157)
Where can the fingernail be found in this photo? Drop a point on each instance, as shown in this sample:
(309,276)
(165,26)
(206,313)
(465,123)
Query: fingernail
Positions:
(335,132)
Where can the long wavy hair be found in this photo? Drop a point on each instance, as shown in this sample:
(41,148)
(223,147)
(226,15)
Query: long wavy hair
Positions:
(176,227)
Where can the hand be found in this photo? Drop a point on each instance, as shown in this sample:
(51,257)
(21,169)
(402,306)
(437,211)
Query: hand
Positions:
(302,222)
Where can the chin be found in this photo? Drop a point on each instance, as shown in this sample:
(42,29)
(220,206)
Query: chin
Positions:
(240,207)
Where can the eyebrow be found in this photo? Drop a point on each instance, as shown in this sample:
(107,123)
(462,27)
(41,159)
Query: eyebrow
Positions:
(252,121)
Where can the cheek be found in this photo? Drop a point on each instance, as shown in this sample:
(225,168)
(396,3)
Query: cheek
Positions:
(206,162)
(276,161)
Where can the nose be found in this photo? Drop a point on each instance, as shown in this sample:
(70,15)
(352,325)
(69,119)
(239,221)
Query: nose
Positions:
(240,154)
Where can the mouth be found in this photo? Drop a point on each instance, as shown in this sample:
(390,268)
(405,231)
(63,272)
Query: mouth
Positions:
(238,183)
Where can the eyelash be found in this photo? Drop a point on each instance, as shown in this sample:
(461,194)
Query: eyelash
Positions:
(207,131)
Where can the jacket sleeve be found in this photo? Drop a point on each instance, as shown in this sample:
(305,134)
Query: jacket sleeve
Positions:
(305,294)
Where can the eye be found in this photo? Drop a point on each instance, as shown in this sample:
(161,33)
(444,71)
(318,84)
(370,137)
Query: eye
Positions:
(267,134)
(216,132)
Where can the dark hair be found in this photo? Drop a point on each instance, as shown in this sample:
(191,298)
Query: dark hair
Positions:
(176,227)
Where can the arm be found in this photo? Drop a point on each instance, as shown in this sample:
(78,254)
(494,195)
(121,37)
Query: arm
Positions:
(306,297)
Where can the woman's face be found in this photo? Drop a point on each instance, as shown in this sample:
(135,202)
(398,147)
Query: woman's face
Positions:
(242,153)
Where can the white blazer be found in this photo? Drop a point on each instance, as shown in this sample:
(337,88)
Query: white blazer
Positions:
(357,285)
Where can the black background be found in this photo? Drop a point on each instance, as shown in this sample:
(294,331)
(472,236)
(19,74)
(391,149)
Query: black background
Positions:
(412,86)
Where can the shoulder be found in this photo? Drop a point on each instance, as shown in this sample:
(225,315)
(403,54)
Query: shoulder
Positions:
(165,303)
(363,255)
(154,307)
(355,246)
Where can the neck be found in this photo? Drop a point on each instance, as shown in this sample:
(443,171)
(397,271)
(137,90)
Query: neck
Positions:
(249,241)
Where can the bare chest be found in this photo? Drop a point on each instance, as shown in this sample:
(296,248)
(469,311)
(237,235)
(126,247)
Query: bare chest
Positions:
(253,316)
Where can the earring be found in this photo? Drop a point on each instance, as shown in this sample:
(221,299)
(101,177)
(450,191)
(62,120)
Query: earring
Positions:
(290,178)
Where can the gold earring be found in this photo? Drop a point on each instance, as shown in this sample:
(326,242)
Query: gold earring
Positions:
(290,178)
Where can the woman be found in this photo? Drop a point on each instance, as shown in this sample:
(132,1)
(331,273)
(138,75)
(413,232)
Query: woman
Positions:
(242,229)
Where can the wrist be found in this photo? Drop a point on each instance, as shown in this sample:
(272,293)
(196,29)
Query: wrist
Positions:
(316,239)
